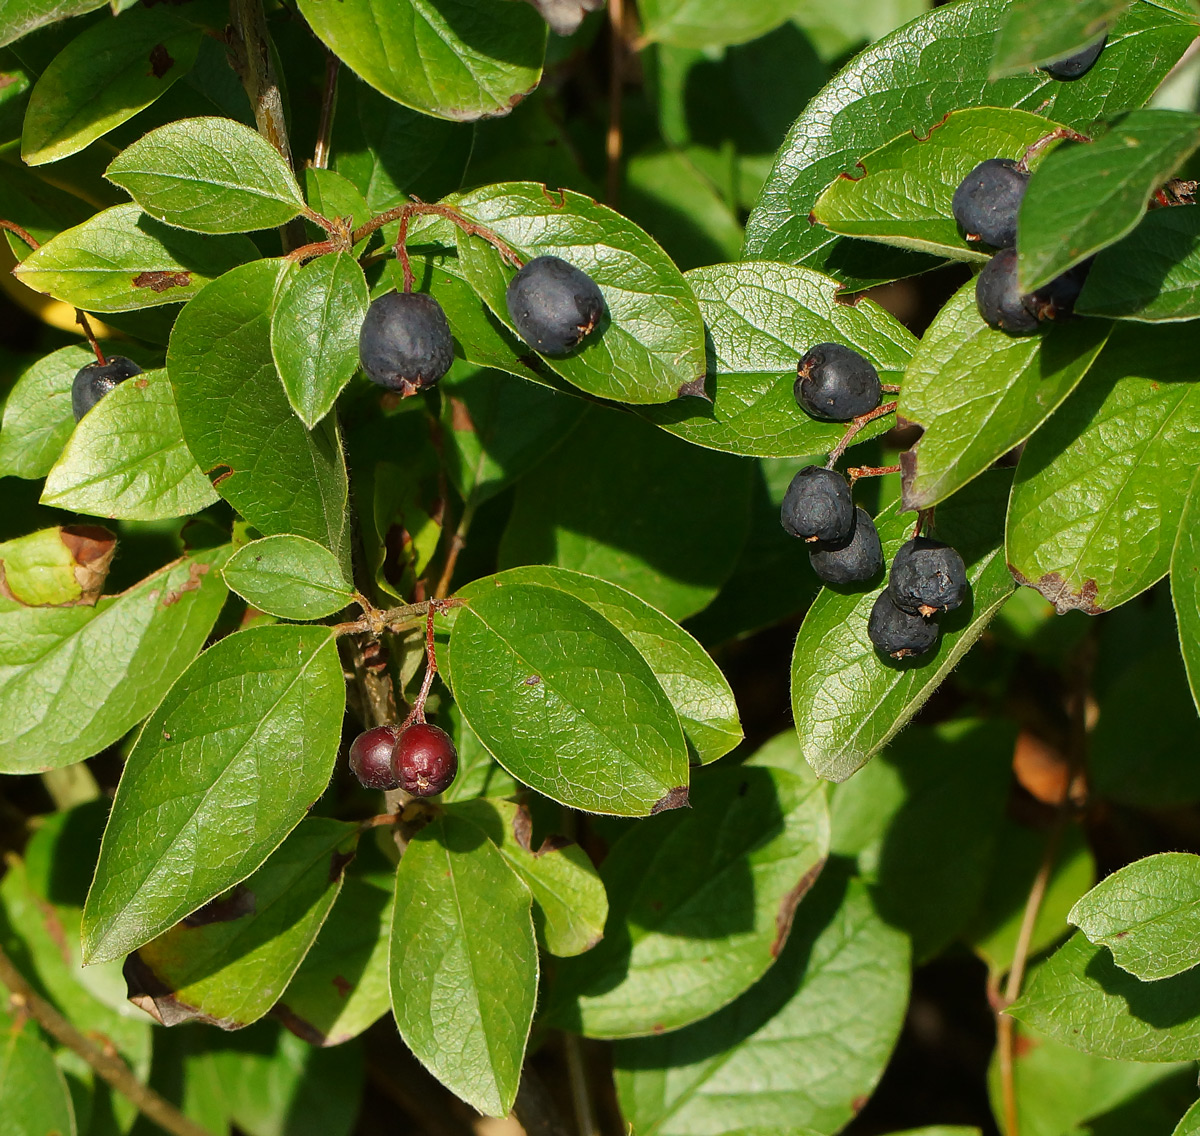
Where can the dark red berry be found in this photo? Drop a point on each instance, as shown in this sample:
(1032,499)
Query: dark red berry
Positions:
(371,758)
(426,761)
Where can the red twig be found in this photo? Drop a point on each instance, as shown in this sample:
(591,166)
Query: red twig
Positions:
(424,209)
(858,471)
(16,230)
(856,424)
(417,714)
(82,320)
(1054,136)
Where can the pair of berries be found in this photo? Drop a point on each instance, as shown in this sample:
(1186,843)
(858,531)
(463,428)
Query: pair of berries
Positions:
(405,342)
(928,578)
(420,759)
(818,509)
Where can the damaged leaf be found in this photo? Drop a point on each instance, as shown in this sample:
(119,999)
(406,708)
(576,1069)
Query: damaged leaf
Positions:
(57,567)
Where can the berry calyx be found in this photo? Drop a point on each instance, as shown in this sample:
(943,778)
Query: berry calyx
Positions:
(425,760)
(817,506)
(927,577)
(986,202)
(859,557)
(95,380)
(1073,66)
(405,342)
(835,383)
(897,633)
(553,304)
(371,758)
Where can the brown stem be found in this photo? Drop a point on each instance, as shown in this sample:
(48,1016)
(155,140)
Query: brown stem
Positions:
(614,139)
(402,252)
(109,1066)
(376,622)
(857,471)
(82,320)
(320,160)
(457,543)
(17,231)
(425,209)
(1054,136)
(923,517)
(581,1098)
(856,424)
(417,714)
(890,388)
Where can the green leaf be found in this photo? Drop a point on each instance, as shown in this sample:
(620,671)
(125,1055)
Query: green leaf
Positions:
(333,195)
(1032,33)
(222,771)
(20,17)
(103,77)
(1080,997)
(74,680)
(799,1048)
(570,904)
(848,701)
(341,987)
(704,23)
(874,94)
(456,59)
(314,332)
(479,775)
(127,459)
(978,392)
(565,702)
(628,526)
(464,965)
(288,576)
(692,682)
(701,902)
(1152,275)
(121,260)
(1085,196)
(1147,914)
(1101,487)
(230,399)
(901,194)
(1190,1124)
(651,342)
(229,962)
(1185,585)
(211,175)
(761,318)
(33,1091)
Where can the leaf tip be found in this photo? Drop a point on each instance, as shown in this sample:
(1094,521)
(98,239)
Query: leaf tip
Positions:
(676,798)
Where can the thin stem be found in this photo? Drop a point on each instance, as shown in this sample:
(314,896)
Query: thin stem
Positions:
(82,320)
(320,160)
(16,230)
(154,1107)
(581,1099)
(890,388)
(614,140)
(457,543)
(425,209)
(402,252)
(856,424)
(1054,136)
(417,714)
(923,516)
(376,622)
(858,471)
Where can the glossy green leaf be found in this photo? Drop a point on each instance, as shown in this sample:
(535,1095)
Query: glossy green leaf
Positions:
(20,17)
(464,965)
(223,770)
(901,194)
(1185,585)
(456,59)
(570,904)
(229,962)
(1147,914)
(647,525)
(650,344)
(288,576)
(33,1092)
(565,702)
(704,23)
(74,680)
(692,682)
(121,260)
(874,95)
(1033,33)
(848,701)
(1101,487)
(1190,1124)
(761,318)
(701,902)
(127,459)
(211,175)
(314,332)
(801,1047)
(978,392)
(103,77)
(332,195)
(230,399)
(1152,275)
(1086,196)
(479,775)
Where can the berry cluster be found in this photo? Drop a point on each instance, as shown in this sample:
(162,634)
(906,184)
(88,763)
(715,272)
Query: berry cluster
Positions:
(928,578)
(418,758)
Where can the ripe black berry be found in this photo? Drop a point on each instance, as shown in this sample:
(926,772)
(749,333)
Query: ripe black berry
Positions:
(835,384)
(95,380)
(927,577)
(858,558)
(817,506)
(986,202)
(897,633)
(553,304)
(425,760)
(1078,64)
(405,342)
(998,298)
(371,758)
(1057,299)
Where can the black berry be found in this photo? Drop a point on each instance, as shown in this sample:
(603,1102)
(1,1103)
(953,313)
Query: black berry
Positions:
(95,380)
(897,633)
(371,758)
(998,298)
(553,304)
(835,384)
(927,577)
(426,761)
(405,342)
(986,202)
(1078,64)
(858,558)
(817,506)
(1057,299)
